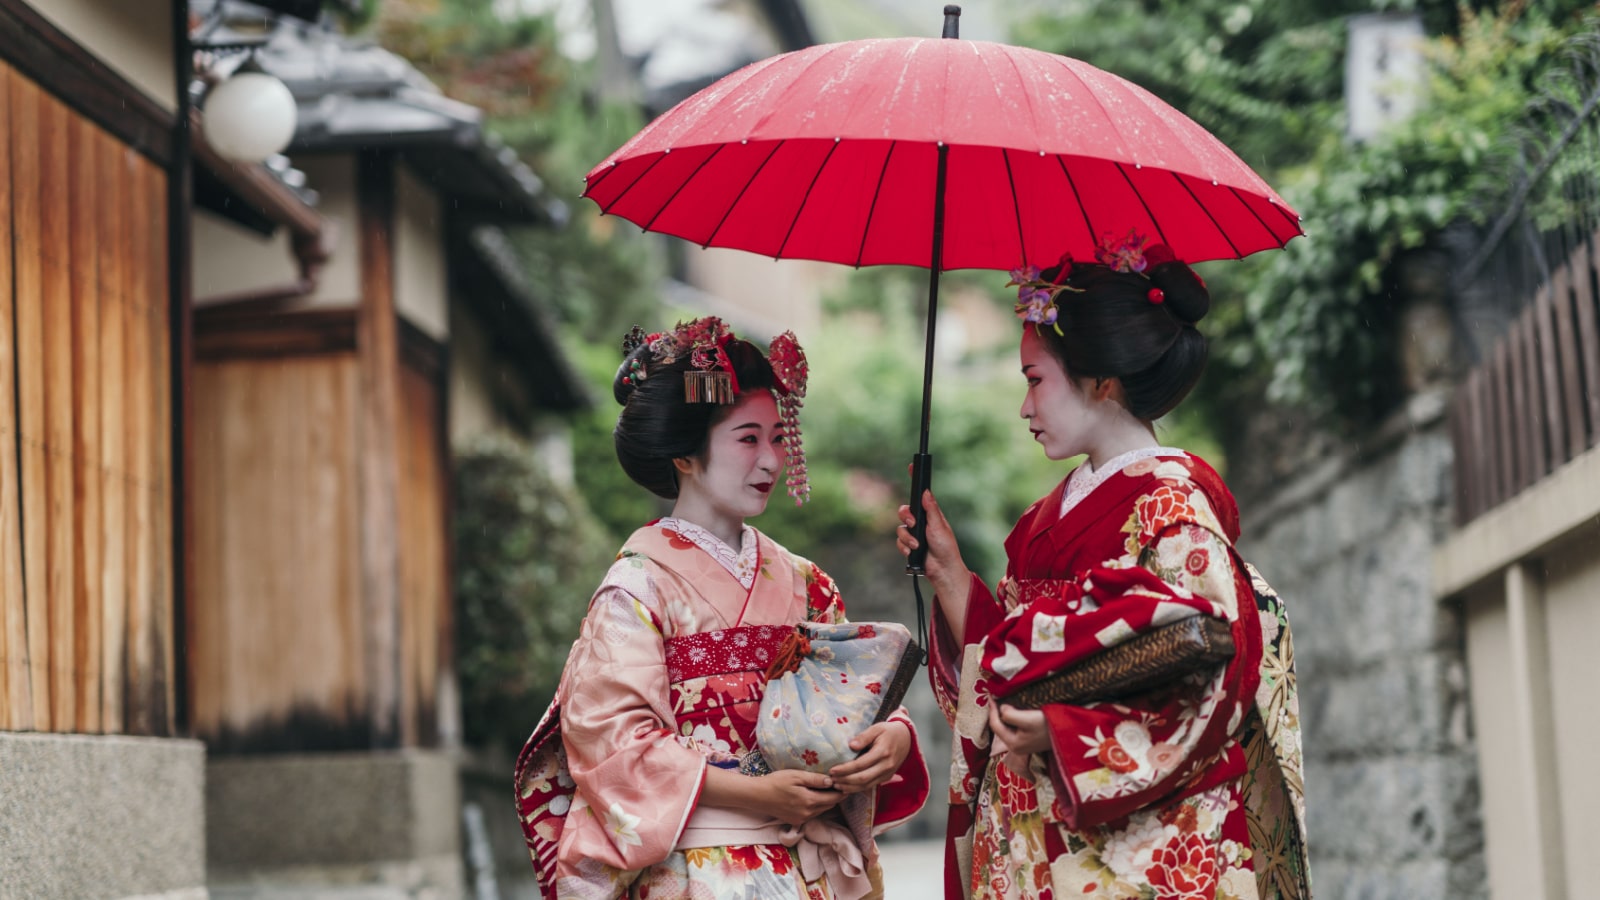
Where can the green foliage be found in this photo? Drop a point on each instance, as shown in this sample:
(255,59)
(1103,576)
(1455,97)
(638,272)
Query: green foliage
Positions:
(1318,323)
(1263,75)
(527,557)
(1323,312)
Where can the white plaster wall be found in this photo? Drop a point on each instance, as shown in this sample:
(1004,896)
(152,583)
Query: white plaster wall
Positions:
(771,295)
(132,37)
(1572,614)
(473,375)
(1507,826)
(421,289)
(229,259)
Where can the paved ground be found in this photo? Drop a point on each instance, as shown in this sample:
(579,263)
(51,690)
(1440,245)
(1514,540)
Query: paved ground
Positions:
(913,870)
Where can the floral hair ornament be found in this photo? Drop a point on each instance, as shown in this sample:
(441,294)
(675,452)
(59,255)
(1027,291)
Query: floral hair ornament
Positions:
(710,378)
(1037,299)
(791,371)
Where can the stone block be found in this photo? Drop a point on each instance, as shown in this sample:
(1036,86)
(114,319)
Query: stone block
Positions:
(1396,706)
(1428,880)
(87,817)
(1386,810)
(331,809)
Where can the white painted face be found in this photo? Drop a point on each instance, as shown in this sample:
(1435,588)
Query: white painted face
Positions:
(1060,412)
(742,463)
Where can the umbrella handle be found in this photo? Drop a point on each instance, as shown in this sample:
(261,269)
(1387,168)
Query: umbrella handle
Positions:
(921,481)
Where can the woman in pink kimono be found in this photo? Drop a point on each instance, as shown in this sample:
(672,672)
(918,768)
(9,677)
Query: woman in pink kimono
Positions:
(631,784)
(1192,792)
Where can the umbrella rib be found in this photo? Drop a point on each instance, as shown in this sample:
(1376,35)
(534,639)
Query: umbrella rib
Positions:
(877,189)
(1218,225)
(1293,220)
(589,186)
(799,211)
(734,205)
(1246,204)
(1082,210)
(618,198)
(1016,207)
(1160,232)
(681,185)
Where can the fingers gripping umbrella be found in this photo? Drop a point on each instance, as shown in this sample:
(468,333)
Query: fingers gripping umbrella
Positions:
(946,154)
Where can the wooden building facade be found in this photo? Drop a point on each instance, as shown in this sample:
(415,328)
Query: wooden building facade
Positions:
(89,639)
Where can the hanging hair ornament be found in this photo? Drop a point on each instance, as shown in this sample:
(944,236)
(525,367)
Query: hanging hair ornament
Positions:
(704,341)
(791,371)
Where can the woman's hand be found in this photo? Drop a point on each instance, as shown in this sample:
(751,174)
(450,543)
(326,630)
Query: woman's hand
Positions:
(792,795)
(1024,731)
(885,747)
(950,577)
(796,796)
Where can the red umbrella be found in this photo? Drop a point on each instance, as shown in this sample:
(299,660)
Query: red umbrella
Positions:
(945,154)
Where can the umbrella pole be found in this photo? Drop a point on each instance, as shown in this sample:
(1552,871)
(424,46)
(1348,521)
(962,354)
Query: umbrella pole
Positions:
(922,462)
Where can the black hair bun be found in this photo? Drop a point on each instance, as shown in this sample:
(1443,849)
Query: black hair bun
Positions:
(1184,292)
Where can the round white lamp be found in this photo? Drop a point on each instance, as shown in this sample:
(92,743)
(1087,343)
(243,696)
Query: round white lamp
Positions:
(250,117)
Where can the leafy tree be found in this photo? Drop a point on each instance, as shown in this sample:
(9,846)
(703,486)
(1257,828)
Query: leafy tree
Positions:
(1318,324)
(527,557)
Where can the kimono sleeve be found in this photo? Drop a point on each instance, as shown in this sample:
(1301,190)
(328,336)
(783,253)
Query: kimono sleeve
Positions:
(945,655)
(1111,759)
(637,784)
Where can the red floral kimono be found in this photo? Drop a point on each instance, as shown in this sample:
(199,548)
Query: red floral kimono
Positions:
(1192,793)
(666,679)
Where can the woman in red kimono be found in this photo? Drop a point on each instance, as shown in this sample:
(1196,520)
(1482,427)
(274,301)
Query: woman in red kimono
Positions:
(1190,792)
(631,784)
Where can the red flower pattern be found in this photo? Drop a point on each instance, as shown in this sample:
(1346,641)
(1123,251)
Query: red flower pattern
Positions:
(779,857)
(678,541)
(1183,816)
(819,588)
(1199,559)
(810,756)
(1162,507)
(1185,869)
(875,687)
(866,631)
(1115,757)
(747,857)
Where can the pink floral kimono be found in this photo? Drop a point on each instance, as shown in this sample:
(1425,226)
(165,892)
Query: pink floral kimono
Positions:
(665,679)
(1192,793)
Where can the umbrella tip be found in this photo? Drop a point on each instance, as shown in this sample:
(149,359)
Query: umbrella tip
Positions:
(952,21)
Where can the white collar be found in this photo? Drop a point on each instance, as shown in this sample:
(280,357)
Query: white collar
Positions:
(740,563)
(1085,478)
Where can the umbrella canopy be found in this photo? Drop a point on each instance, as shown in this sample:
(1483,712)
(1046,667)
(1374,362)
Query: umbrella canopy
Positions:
(941,153)
(831,153)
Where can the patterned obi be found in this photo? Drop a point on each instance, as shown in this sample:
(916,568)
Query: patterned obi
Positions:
(717,681)
(1019,592)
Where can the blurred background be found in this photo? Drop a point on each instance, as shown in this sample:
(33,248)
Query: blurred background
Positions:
(313,474)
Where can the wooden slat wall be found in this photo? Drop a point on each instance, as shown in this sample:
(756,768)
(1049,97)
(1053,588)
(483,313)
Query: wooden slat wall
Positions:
(279,648)
(1535,403)
(84,539)
(424,574)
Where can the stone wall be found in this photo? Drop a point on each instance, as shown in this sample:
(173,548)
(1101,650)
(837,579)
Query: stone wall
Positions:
(1391,781)
(92,817)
